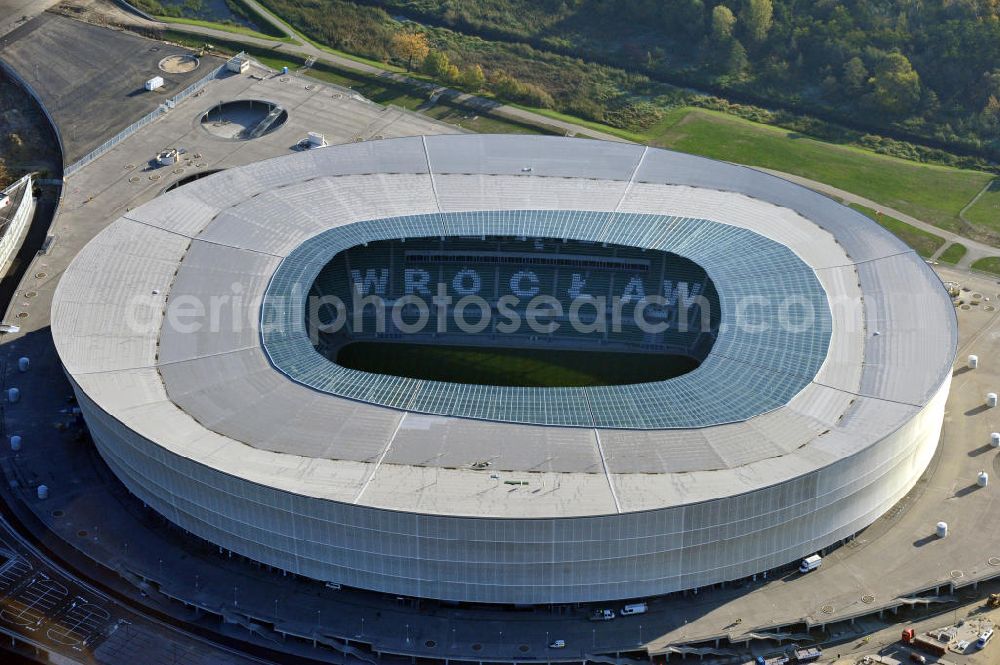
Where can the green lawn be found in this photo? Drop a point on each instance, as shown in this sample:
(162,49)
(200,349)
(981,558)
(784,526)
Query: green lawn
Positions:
(986,211)
(924,242)
(953,254)
(512,367)
(928,192)
(990,264)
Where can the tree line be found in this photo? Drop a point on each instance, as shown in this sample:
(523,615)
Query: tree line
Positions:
(928,70)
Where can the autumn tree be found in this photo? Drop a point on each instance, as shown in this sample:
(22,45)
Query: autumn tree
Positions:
(473,78)
(756,18)
(410,46)
(723,22)
(436,63)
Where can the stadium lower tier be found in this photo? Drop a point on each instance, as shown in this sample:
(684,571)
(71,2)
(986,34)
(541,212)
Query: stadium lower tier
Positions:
(524,561)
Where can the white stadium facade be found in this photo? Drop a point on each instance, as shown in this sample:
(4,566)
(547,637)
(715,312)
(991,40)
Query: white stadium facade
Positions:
(823,355)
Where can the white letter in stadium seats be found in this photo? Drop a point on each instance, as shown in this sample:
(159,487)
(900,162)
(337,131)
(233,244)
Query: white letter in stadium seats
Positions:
(639,316)
(485,313)
(600,322)
(505,307)
(634,290)
(458,284)
(520,276)
(423,314)
(441,302)
(363,286)
(358,305)
(415,280)
(575,289)
(698,304)
(544,306)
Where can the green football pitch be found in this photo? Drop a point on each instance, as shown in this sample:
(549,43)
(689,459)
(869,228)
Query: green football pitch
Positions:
(512,367)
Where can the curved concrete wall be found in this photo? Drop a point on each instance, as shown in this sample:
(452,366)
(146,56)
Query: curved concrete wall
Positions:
(538,561)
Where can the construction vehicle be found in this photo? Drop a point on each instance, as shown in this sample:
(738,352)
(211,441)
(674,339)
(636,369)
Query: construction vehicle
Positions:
(924,642)
(807,655)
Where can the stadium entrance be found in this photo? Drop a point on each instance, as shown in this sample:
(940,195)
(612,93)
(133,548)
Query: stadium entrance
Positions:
(513,311)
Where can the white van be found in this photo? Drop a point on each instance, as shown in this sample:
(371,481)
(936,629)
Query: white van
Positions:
(984,638)
(637,608)
(810,563)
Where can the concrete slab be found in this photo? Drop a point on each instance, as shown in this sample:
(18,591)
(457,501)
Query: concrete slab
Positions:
(91,78)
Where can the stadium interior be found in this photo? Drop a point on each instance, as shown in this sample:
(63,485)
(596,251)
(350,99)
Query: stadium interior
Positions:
(598,288)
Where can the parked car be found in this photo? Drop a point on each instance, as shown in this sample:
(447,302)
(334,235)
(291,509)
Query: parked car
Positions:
(558,644)
(602,615)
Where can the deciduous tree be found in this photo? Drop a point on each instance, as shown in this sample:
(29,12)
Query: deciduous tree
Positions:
(896,86)
(756,18)
(410,46)
(723,22)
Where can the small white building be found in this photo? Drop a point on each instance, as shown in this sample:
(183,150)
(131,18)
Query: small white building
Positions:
(154,83)
(238,64)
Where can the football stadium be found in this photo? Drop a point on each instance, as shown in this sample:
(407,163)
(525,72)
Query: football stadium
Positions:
(508,369)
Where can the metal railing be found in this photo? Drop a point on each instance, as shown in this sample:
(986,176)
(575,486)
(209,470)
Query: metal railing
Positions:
(150,117)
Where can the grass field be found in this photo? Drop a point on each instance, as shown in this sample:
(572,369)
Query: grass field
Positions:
(924,242)
(931,193)
(953,254)
(512,367)
(986,211)
(990,264)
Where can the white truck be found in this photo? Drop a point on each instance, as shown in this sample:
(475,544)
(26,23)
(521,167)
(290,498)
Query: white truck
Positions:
(602,615)
(810,563)
(636,608)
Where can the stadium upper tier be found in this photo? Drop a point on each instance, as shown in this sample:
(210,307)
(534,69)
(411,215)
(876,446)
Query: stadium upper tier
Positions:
(426,489)
(768,354)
